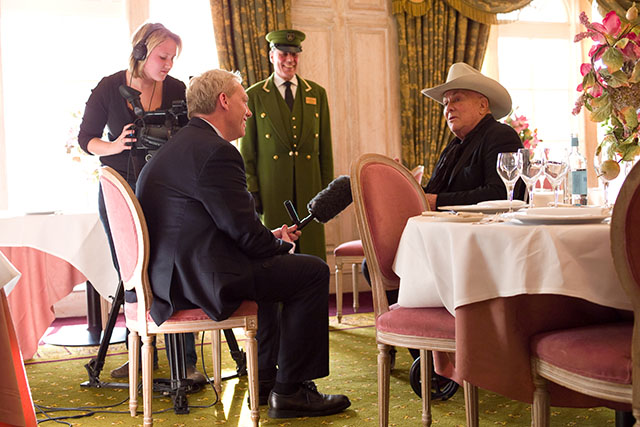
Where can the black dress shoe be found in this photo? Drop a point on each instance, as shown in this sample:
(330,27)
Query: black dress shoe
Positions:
(306,402)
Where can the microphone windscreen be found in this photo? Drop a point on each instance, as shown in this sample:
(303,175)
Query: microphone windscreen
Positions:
(332,200)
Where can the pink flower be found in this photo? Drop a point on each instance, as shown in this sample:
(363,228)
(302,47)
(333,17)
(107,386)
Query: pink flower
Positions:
(585,68)
(595,91)
(611,23)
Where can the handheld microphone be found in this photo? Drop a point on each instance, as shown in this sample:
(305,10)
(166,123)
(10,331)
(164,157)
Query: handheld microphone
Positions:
(133,97)
(326,205)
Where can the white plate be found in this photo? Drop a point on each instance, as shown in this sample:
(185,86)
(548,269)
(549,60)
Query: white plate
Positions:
(558,219)
(490,207)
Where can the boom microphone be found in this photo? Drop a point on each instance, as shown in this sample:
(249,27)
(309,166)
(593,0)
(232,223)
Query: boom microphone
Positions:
(326,205)
(133,96)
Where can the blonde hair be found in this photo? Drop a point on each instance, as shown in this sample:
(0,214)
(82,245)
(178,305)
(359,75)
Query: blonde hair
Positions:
(203,91)
(153,35)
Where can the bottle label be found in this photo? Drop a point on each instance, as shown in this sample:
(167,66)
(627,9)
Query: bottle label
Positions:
(579,181)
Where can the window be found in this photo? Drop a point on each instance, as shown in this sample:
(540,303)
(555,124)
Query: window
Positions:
(537,62)
(53,54)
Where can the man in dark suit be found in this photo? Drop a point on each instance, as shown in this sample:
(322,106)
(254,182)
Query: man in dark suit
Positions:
(210,250)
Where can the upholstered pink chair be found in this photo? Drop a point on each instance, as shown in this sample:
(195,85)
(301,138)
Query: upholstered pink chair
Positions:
(385,196)
(352,253)
(347,253)
(131,241)
(603,360)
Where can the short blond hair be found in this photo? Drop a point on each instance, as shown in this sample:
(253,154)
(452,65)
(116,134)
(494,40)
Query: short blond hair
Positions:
(155,34)
(203,91)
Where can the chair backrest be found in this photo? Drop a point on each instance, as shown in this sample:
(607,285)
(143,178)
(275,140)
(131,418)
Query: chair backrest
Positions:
(385,195)
(129,234)
(625,249)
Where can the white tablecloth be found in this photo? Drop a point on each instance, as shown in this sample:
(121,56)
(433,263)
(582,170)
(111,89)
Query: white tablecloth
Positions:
(78,239)
(452,264)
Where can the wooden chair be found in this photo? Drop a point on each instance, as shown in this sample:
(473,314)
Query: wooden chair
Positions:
(347,253)
(601,360)
(385,196)
(352,253)
(131,241)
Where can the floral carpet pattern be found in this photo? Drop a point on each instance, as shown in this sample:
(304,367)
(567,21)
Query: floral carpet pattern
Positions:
(55,375)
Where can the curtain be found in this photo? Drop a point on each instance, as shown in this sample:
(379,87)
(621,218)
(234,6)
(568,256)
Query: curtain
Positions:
(240,27)
(428,46)
(483,11)
(620,6)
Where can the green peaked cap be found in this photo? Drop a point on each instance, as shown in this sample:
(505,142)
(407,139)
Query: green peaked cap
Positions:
(286,40)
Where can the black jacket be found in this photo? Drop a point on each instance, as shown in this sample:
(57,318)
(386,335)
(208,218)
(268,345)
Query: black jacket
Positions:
(474,178)
(202,224)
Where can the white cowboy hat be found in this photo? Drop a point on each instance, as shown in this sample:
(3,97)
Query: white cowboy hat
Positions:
(464,76)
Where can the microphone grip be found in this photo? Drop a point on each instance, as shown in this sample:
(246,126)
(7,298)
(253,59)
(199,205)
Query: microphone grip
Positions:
(292,212)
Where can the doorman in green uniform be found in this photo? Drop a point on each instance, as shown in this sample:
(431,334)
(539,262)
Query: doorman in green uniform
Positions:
(287,146)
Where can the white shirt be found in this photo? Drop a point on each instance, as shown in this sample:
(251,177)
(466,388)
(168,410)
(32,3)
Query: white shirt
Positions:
(279,82)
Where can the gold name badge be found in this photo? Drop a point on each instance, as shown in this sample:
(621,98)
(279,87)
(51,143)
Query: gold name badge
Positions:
(310,100)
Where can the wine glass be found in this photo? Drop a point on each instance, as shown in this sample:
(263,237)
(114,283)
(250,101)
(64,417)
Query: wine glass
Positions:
(530,167)
(607,169)
(556,168)
(507,167)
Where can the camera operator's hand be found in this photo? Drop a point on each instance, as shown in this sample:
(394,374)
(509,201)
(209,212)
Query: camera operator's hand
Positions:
(100,147)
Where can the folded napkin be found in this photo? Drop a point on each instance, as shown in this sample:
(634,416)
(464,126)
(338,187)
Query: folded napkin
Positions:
(439,214)
(499,204)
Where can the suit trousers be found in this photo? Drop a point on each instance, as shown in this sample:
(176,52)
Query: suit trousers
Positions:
(292,292)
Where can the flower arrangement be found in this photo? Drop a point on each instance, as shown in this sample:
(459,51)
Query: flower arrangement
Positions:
(520,124)
(610,87)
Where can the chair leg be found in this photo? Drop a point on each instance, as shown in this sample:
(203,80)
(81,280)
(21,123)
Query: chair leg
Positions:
(252,372)
(471,403)
(384,371)
(147,379)
(339,290)
(134,348)
(217,360)
(354,281)
(540,410)
(426,366)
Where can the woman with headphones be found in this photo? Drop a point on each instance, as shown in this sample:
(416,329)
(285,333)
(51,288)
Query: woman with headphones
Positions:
(154,49)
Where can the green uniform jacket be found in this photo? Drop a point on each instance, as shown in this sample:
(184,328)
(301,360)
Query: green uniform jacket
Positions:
(288,154)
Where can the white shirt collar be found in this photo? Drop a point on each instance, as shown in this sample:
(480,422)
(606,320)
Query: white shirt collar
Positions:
(214,128)
(279,81)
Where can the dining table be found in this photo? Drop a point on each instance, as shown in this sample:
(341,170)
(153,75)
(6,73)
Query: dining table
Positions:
(54,251)
(506,280)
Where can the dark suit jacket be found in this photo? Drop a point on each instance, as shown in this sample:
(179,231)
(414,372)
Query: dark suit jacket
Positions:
(203,227)
(474,178)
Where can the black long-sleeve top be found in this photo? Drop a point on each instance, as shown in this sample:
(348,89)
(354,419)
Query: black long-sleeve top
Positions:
(106,107)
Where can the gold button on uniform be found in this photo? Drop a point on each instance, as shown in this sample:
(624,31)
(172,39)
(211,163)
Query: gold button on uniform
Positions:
(296,153)
(295,127)
(317,115)
(308,156)
(275,157)
(267,136)
(294,117)
(316,135)
(295,136)
(290,153)
(295,145)
(263,115)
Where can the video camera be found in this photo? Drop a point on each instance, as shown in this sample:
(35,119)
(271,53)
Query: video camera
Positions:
(153,128)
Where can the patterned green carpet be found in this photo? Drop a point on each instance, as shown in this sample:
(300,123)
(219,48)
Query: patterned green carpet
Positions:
(55,375)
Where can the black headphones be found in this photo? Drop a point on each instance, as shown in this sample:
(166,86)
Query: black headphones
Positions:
(140,49)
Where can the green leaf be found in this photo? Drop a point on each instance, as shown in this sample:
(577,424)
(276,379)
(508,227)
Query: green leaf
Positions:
(601,108)
(629,151)
(630,117)
(635,74)
(612,58)
(617,79)
(622,43)
(589,80)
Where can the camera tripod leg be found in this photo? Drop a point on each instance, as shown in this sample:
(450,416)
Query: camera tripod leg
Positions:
(179,381)
(95,365)
(237,354)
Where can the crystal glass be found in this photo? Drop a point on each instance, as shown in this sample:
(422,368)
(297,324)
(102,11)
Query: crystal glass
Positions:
(556,168)
(507,167)
(531,167)
(607,169)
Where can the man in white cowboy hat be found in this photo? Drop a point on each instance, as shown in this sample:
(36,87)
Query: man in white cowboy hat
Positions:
(466,170)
